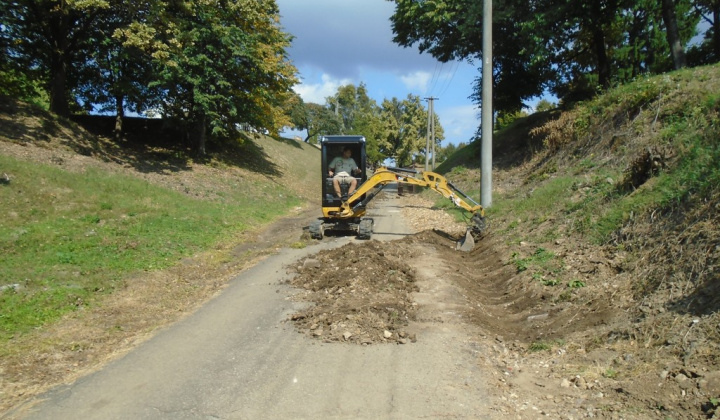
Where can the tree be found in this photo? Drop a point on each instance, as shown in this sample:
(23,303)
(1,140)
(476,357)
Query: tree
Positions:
(359,115)
(544,105)
(226,66)
(51,38)
(404,129)
(119,69)
(315,119)
(709,50)
(443,153)
(673,34)
(572,48)
(452,30)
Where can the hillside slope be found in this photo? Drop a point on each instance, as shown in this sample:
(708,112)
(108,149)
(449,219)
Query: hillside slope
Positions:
(104,242)
(609,213)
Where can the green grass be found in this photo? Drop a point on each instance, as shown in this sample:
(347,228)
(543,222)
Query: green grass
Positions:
(688,125)
(67,238)
(545,345)
(695,174)
(541,260)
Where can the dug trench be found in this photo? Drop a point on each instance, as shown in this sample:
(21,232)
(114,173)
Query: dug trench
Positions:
(545,352)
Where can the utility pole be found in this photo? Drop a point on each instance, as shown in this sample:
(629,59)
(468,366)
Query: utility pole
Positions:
(430,140)
(337,114)
(487,108)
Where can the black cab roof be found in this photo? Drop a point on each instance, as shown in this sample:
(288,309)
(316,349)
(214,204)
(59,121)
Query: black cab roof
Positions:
(342,139)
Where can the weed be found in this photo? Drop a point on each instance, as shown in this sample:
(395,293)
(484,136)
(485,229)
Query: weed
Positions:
(541,258)
(521,264)
(459,170)
(575,284)
(610,373)
(539,346)
(550,282)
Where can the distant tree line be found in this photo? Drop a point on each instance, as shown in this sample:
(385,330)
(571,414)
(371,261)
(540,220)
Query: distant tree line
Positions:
(211,66)
(571,48)
(396,129)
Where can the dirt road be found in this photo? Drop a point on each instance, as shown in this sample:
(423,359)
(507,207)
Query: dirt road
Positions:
(239,357)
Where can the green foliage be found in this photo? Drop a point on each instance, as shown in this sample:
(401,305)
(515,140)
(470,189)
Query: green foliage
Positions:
(574,49)
(404,129)
(541,259)
(459,170)
(211,68)
(540,346)
(544,105)
(226,66)
(610,373)
(690,126)
(443,153)
(543,198)
(544,345)
(18,85)
(505,118)
(316,120)
(68,238)
(576,284)
(550,282)
(358,114)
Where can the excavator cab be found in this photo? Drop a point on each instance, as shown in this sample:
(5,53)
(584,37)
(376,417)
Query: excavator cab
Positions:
(333,219)
(332,147)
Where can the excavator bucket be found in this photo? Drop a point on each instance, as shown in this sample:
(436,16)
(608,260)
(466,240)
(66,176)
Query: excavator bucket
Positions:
(474,233)
(466,244)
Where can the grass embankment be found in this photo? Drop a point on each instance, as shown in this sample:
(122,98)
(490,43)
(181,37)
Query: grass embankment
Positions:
(636,170)
(83,215)
(69,237)
(639,148)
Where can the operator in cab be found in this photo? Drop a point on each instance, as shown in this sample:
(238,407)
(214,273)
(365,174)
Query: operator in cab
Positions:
(341,168)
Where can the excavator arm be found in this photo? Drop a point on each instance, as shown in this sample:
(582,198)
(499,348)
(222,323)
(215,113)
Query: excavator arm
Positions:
(432,180)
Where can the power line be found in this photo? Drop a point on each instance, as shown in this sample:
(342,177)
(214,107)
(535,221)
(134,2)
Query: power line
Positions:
(435,77)
(449,82)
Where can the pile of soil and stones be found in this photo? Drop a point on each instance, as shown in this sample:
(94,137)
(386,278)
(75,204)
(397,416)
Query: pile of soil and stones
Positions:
(362,293)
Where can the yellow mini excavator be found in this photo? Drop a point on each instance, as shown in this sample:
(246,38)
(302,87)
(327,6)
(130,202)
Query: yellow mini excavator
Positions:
(347,212)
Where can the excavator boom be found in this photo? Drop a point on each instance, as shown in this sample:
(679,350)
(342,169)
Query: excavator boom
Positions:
(436,182)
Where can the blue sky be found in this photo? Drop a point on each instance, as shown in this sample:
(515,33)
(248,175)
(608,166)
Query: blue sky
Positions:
(340,42)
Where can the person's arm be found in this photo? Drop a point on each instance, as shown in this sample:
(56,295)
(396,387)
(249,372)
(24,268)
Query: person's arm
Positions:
(331,167)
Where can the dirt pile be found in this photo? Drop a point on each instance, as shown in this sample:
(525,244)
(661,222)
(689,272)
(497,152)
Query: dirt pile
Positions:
(362,293)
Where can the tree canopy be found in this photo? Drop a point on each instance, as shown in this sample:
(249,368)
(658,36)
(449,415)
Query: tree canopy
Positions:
(571,48)
(211,65)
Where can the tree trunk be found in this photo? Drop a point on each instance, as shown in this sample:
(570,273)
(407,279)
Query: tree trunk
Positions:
(119,115)
(59,29)
(716,30)
(603,64)
(201,139)
(673,34)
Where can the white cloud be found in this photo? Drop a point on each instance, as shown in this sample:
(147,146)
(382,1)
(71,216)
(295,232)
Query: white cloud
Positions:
(339,34)
(317,93)
(459,122)
(417,81)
